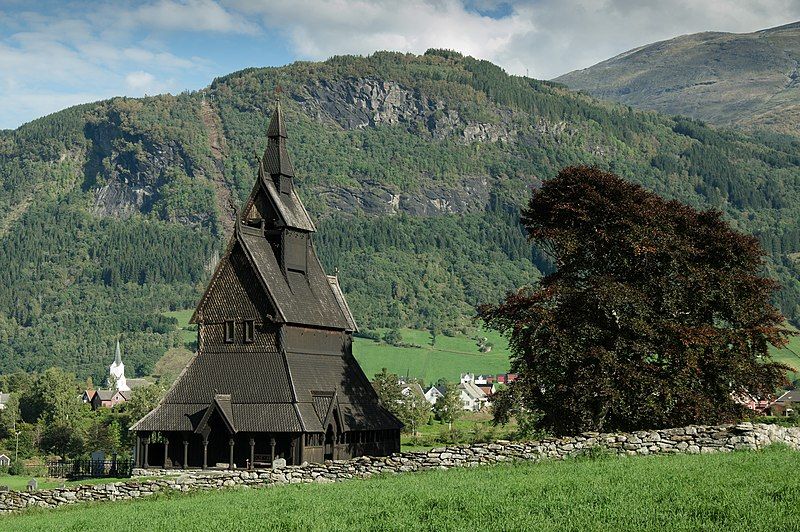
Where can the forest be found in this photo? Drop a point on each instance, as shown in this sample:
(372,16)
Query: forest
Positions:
(413,167)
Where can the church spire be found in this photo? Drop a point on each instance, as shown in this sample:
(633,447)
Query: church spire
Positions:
(276,158)
(118,356)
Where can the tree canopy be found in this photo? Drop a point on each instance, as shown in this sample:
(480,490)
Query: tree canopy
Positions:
(657,314)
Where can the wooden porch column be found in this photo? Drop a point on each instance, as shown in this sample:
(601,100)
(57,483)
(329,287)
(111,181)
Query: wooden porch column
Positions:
(185,452)
(138,450)
(252,451)
(292,447)
(166,452)
(146,463)
(302,449)
(205,453)
(272,450)
(230,456)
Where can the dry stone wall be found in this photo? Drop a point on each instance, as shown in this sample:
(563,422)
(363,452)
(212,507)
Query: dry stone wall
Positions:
(692,439)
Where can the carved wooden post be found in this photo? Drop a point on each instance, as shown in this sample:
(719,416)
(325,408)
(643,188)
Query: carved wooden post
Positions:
(146,463)
(138,451)
(166,452)
(292,445)
(272,450)
(185,452)
(252,451)
(230,456)
(205,453)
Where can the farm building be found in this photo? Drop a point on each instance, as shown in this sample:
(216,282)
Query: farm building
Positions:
(274,374)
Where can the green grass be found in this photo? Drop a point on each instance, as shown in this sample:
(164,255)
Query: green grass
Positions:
(789,355)
(747,491)
(447,358)
(183,317)
(471,427)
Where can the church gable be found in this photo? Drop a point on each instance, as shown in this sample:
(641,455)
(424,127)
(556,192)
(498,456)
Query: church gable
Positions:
(235,293)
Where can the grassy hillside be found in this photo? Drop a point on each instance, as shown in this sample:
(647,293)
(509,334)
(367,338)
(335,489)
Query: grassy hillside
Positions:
(749,79)
(741,491)
(413,166)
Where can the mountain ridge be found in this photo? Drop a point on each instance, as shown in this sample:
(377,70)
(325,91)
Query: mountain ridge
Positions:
(747,80)
(414,167)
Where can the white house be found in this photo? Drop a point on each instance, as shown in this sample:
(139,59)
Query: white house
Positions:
(5,461)
(4,398)
(471,396)
(433,394)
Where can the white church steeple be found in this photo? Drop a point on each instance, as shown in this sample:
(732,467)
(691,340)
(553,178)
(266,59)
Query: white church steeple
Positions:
(116,377)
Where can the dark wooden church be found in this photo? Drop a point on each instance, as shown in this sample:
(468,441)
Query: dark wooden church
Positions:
(274,374)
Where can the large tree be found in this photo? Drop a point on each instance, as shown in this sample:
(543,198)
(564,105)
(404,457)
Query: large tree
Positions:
(656,315)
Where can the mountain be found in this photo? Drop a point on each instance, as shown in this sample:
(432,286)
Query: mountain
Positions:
(746,80)
(115,212)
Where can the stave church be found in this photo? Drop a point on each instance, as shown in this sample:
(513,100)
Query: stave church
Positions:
(274,375)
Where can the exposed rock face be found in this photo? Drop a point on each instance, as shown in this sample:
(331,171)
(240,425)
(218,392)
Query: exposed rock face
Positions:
(364,102)
(470,194)
(688,440)
(126,171)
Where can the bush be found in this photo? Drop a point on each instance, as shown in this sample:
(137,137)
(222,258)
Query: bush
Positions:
(16,468)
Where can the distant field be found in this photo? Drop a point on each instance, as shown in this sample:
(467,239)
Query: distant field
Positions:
(740,491)
(790,355)
(448,358)
(183,317)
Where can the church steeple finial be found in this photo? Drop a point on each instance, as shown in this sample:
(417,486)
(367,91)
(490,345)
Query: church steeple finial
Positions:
(118,355)
(276,159)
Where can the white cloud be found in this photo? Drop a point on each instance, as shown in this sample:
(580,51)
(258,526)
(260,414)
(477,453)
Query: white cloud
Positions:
(546,37)
(191,15)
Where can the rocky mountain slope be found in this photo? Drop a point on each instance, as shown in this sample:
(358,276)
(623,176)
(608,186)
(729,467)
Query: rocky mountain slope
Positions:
(748,80)
(413,166)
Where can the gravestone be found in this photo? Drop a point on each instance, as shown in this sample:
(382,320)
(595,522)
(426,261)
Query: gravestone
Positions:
(33,484)
(279,463)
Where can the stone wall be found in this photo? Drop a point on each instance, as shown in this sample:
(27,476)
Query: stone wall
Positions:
(693,439)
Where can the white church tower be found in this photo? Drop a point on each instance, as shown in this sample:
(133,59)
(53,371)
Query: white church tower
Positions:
(116,377)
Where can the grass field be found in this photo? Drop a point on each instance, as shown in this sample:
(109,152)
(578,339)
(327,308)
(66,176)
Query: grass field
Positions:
(741,491)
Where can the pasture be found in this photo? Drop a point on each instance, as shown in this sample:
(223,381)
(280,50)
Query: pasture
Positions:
(740,491)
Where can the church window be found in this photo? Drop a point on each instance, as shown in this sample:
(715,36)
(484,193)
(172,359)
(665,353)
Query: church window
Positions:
(249,329)
(229,331)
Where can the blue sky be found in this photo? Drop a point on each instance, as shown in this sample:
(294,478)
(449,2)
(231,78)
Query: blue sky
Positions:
(56,54)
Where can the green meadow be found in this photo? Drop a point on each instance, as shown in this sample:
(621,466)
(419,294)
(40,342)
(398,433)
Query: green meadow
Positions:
(740,491)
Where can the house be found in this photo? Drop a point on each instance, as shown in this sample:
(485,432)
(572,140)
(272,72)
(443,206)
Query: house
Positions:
(274,376)
(412,388)
(787,404)
(5,461)
(471,396)
(488,389)
(109,398)
(433,393)
(4,399)
(88,395)
(752,403)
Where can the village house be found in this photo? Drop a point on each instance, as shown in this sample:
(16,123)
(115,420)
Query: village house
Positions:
(433,393)
(274,376)
(4,399)
(787,404)
(472,397)
(5,461)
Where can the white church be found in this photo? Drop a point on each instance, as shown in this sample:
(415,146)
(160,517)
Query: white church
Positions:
(116,373)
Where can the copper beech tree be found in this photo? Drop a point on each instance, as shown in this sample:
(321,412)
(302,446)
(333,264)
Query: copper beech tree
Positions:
(657,314)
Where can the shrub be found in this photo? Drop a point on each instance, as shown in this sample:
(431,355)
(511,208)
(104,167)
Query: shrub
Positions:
(16,468)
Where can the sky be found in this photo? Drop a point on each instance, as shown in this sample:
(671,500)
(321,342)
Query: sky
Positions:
(54,54)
